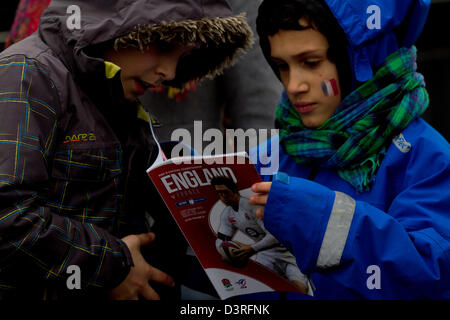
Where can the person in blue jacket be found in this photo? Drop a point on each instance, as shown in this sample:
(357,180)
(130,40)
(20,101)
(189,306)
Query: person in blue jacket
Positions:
(361,196)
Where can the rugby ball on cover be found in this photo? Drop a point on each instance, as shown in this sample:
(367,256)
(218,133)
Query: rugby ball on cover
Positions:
(225,250)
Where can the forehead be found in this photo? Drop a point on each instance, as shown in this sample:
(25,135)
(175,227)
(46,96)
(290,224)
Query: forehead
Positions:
(153,51)
(293,42)
(221,187)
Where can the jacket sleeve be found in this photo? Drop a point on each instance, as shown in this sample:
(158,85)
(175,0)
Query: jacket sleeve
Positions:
(29,231)
(402,253)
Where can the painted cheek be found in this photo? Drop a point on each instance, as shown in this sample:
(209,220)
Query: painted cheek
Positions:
(330,88)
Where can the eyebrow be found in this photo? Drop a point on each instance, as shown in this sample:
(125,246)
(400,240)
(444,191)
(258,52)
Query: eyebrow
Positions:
(300,55)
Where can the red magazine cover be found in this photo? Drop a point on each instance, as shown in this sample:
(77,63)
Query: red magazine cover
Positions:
(209,199)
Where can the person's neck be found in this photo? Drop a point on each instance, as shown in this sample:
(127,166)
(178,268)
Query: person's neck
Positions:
(235,206)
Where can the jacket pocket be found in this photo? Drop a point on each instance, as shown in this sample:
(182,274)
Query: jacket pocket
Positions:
(89,165)
(86,185)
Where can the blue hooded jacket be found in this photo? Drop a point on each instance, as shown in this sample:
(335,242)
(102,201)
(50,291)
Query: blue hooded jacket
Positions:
(392,242)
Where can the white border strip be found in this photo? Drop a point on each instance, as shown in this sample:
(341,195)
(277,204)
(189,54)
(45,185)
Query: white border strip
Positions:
(337,231)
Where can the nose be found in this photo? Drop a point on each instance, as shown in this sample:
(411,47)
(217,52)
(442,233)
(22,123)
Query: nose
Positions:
(167,70)
(296,82)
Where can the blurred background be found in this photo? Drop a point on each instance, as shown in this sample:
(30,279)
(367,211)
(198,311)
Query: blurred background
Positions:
(433,60)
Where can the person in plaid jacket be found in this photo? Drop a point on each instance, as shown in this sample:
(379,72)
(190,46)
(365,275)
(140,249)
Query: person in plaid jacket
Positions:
(75,143)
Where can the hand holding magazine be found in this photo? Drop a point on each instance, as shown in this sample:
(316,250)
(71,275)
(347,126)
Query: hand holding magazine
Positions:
(209,199)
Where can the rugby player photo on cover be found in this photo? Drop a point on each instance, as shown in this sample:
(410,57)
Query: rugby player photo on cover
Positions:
(202,195)
(240,215)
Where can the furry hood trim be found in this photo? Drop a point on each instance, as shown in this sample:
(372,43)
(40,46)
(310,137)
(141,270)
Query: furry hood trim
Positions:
(218,42)
(217,35)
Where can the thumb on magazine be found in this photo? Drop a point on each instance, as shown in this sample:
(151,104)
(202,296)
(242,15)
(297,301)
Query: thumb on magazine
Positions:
(260,213)
(146,238)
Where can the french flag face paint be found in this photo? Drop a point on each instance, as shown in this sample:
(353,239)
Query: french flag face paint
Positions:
(330,88)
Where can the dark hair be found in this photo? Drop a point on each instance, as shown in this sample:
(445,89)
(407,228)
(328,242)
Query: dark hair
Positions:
(275,15)
(229,183)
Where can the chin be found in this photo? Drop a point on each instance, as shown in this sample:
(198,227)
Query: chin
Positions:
(130,97)
(312,123)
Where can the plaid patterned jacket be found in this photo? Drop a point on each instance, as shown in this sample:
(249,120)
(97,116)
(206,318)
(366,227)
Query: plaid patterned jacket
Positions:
(73,152)
(72,180)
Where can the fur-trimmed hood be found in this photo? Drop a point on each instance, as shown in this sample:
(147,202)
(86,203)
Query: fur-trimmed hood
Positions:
(208,24)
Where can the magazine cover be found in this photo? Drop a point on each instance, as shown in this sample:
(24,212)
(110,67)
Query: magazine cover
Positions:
(209,199)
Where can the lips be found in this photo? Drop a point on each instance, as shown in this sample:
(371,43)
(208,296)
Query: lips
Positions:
(142,86)
(304,107)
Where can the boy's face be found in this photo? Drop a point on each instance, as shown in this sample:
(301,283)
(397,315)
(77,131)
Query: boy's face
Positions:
(309,77)
(227,196)
(147,69)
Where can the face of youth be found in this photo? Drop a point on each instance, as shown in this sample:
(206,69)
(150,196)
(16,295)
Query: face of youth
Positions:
(146,69)
(308,75)
(228,197)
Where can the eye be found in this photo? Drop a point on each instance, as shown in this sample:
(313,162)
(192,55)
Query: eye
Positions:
(312,63)
(282,66)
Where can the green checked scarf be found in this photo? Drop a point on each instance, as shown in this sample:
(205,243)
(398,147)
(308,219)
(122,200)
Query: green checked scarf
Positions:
(355,139)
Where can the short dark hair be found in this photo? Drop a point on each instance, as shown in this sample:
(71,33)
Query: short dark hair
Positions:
(222,180)
(276,15)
